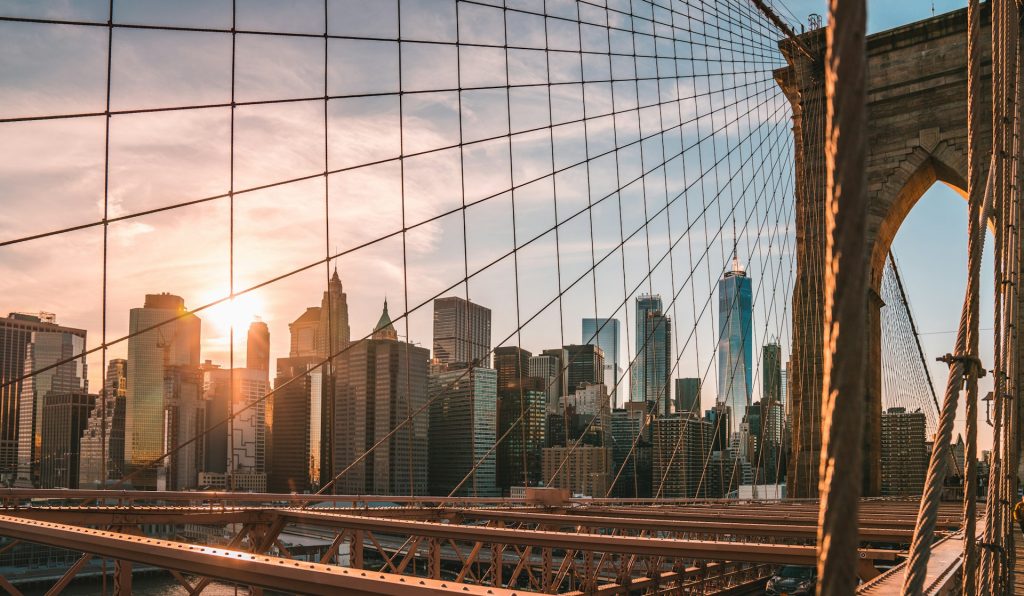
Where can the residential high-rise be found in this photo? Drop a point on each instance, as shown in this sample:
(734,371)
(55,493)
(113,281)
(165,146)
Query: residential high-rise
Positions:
(904,454)
(257,347)
(463,416)
(16,331)
(462,332)
(104,433)
(379,382)
(583,469)
(652,365)
(333,333)
(681,443)
(584,366)
(735,349)
(173,342)
(64,418)
(605,333)
(688,396)
(522,421)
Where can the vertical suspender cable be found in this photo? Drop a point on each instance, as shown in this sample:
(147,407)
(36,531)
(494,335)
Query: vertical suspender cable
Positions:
(846,285)
(974,207)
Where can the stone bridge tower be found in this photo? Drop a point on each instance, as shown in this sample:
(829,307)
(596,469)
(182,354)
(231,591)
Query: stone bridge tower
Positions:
(917,136)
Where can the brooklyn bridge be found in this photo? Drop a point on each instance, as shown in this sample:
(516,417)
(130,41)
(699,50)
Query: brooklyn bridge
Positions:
(712,190)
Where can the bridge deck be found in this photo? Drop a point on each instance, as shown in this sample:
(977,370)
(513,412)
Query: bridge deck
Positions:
(1018,566)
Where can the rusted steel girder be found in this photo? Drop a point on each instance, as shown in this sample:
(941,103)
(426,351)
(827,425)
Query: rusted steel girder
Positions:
(784,530)
(232,565)
(86,516)
(663,547)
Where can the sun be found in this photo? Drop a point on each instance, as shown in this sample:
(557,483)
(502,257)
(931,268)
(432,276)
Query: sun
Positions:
(237,312)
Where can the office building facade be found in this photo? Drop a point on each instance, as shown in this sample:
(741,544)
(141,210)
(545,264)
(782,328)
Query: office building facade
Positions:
(463,430)
(172,340)
(605,333)
(462,332)
(652,364)
(46,347)
(735,339)
(378,383)
(15,336)
(103,436)
(64,419)
(584,366)
(688,396)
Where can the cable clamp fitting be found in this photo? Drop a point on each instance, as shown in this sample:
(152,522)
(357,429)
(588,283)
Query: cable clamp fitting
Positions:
(971,363)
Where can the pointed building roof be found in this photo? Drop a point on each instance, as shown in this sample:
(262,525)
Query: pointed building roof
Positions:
(385,329)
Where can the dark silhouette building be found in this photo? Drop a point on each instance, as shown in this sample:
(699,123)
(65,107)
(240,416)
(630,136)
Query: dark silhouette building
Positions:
(65,417)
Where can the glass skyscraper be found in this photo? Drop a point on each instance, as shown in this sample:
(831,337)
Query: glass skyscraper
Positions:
(604,333)
(651,368)
(173,344)
(463,430)
(735,343)
(16,336)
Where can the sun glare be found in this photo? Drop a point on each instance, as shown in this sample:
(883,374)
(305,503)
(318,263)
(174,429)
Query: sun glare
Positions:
(238,312)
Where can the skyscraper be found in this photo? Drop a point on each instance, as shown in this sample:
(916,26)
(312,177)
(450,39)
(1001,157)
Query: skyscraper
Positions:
(15,335)
(303,332)
(43,350)
(104,433)
(771,372)
(605,333)
(513,366)
(688,395)
(379,382)
(653,363)
(64,418)
(257,347)
(463,430)
(550,365)
(462,332)
(333,333)
(243,453)
(183,418)
(522,420)
(632,450)
(294,426)
(735,343)
(546,367)
(584,366)
(174,342)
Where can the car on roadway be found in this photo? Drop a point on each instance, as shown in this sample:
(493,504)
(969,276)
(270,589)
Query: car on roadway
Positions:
(792,580)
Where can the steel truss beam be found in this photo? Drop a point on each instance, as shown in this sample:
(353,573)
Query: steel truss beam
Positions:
(631,545)
(232,565)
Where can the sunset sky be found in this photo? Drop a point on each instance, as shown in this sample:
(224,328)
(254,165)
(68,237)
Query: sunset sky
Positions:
(52,175)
